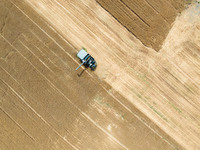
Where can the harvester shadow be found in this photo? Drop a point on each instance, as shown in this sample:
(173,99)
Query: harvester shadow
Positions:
(80,74)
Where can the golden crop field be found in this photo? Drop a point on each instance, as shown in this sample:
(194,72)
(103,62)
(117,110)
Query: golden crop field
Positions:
(144,94)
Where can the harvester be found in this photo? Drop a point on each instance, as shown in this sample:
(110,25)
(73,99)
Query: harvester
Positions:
(86,59)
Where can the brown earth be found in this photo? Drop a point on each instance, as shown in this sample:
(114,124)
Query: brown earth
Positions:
(148,20)
(137,100)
